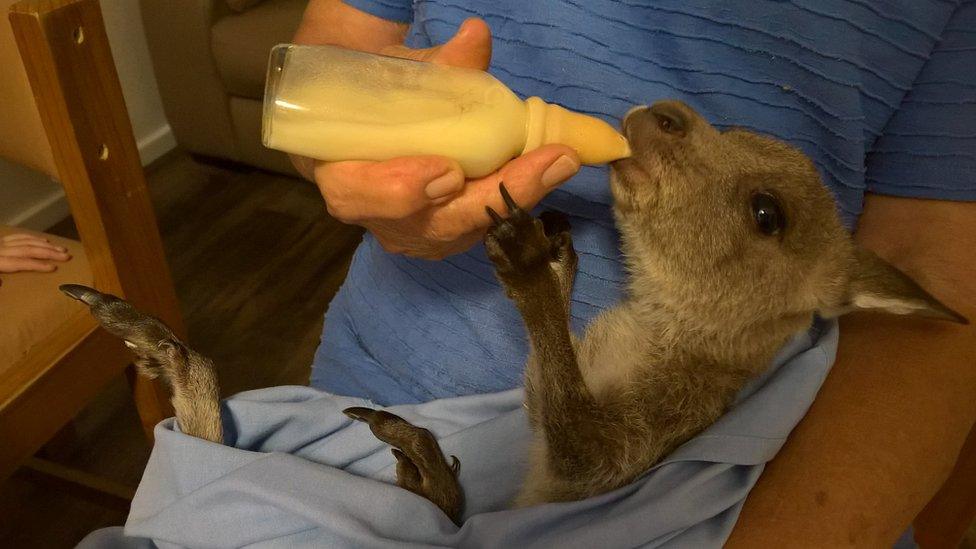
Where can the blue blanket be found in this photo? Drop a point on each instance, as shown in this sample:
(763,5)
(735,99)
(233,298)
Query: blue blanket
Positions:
(296,472)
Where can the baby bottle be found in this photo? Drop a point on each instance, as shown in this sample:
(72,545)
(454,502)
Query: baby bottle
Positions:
(331,103)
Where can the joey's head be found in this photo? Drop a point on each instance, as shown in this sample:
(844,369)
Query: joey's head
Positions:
(731,229)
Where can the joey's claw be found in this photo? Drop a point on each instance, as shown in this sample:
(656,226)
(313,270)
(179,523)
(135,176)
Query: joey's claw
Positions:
(86,295)
(421,467)
(455,465)
(497,219)
(509,201)
(359,413)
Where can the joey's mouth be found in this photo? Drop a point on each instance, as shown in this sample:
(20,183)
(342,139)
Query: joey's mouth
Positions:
(639,167)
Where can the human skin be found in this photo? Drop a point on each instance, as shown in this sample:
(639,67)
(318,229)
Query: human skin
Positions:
(886,427)
(25,252)
(420,206)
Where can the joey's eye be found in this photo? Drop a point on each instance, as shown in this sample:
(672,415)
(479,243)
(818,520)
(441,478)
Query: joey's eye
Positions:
(669,123)
(670,118)
(767,213)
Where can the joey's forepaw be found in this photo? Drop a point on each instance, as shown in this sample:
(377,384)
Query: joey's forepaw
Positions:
(421,466)
(516,244)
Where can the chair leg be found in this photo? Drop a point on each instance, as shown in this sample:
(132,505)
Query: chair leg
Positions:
(152,400)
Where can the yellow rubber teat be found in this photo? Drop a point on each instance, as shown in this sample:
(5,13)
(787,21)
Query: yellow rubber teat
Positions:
(595,140)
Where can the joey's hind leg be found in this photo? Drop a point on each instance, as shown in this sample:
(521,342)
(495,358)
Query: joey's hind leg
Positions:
(421,467)
(160,353)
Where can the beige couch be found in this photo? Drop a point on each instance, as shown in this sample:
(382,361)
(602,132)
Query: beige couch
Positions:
(210,62)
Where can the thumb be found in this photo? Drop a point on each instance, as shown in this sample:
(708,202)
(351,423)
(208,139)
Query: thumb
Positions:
(528,179)
(470,47)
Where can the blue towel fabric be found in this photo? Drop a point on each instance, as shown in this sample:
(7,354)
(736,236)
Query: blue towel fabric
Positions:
(881,94)
(298,473)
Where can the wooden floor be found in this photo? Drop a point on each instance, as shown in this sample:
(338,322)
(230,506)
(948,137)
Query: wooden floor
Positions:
(255,260)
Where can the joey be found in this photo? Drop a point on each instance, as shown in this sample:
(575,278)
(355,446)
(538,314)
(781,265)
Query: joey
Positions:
(732,245)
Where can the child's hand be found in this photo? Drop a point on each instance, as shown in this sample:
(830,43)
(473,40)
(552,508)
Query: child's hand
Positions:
(24,252)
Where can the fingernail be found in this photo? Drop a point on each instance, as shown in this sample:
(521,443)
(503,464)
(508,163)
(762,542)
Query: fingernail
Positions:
(560,170)
(449,183)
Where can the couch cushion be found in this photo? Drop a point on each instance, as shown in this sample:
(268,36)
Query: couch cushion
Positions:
(241,43)
(32,307)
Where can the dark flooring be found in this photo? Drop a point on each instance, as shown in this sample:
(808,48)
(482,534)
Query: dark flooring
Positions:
(255,260)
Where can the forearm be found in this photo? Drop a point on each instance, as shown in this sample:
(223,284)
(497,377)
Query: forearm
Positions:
(334,22)
(886,428)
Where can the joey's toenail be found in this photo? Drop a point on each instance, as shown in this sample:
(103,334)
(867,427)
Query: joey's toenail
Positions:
(357,413)
(494,215)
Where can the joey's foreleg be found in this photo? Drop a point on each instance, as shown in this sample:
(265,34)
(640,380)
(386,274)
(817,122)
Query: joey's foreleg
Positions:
(531,266)
(159,352)
(421,466)
(563,258)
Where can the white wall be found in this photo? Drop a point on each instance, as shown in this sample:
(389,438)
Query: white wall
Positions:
(29,199)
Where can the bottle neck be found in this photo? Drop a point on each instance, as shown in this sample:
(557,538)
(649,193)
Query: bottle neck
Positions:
(535,124)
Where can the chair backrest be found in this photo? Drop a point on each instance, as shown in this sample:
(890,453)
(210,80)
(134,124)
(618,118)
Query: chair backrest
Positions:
(68,62)
(22,137)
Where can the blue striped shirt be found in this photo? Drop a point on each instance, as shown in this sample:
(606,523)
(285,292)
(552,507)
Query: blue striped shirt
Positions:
(882,96)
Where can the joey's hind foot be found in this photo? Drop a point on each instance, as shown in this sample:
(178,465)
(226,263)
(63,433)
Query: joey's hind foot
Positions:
(159,353)
(152,341)
(524,248)
(421,466)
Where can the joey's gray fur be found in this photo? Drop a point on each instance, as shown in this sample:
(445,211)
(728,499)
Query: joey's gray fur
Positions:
(732,245)
(711,296)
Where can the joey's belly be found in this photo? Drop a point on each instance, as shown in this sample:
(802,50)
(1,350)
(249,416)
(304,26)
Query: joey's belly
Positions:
(612,349)
(609,360)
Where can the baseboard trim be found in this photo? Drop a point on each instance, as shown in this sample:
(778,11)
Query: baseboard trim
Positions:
(159,142)
(44,213)
(54,207)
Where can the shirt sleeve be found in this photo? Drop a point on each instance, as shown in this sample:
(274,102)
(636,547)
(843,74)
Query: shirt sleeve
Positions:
(928,148)
(394,10)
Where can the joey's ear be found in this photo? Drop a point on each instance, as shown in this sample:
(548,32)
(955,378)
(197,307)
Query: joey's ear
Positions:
(875,284)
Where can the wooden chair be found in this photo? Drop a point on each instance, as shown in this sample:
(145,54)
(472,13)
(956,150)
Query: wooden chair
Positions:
(71,123)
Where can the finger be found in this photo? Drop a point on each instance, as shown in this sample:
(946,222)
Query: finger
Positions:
(19,264)
(34,252)
(23,236)
(470,47)
(528,179)
(33,241)
(394,189)
(27,238)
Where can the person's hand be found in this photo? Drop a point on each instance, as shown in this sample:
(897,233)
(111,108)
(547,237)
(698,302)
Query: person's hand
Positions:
(25,252)
(422,206)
